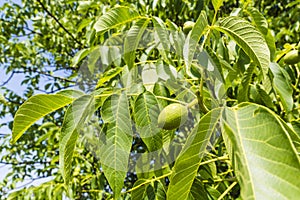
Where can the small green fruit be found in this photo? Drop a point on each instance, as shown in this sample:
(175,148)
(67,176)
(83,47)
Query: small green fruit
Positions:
(292,57)
(172,116)
(187,26)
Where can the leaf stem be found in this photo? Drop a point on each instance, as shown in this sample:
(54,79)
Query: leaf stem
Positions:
(215,159)
(173,100)
(199,94)
(227,190)
(148,181)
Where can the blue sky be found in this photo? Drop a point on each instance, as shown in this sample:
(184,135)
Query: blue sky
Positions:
(15,85)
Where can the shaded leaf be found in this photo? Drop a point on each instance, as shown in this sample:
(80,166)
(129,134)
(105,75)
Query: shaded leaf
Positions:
(132,40)
(266,99)
(243,91)
(163,35)
(282,86)
(146,112)
(189,159)
(108,75)
(140,192)
(115,142)
(193,38)
(198,190)
(271,44)
(74,119)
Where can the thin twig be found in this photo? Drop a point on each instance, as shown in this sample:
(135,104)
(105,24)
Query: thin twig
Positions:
(46,74)
(24,163)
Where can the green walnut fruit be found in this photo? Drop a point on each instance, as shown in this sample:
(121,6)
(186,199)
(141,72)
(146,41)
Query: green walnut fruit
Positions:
(172,116)
(292,57)
(187,26)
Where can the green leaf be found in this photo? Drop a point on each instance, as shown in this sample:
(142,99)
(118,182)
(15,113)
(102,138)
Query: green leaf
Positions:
(160,193)
(198,190)
(71,93)
(115,142)
(132,40)
(193,38)
(259,20)
(266,99)
(74,119)
(248,38)
(2,99)
(108,75)
(270,39)
(145,190)
(140,192)
(163,35)
(177,38)
(296,127)
(146,112)
(35,108)
(282,86)
(79,56)
(115,17)
(209,60)
(161,90)
(217,4)
(262,153)
(243,91)
(189,159)
(149,76)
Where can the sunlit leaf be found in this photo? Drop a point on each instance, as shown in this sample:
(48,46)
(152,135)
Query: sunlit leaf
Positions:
(217,4)
(115,17)
(259,20)
(35,108)
(262,153)
(248,38)
(79,56)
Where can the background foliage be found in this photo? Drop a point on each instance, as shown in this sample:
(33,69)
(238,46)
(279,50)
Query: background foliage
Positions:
(242,136)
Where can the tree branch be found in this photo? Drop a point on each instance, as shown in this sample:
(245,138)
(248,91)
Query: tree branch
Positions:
(66,30)
(24,163)
(9,78)
(46,74)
